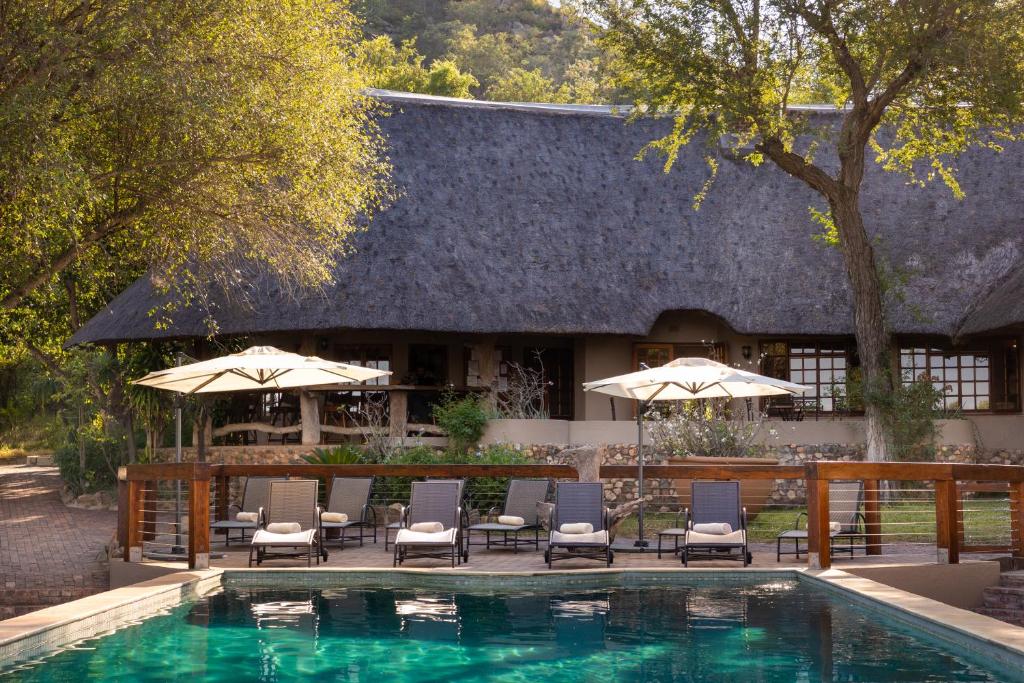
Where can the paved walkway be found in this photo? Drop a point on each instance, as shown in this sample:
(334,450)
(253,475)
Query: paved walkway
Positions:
(49,553)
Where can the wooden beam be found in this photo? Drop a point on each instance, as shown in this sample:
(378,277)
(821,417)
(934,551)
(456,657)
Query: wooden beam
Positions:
(819,545)
(133,542)
(885,471)
(872,517)
(947,539)
(199,524)
(719,472)
(231,427)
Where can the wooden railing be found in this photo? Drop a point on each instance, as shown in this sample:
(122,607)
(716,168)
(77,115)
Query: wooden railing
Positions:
(950,482)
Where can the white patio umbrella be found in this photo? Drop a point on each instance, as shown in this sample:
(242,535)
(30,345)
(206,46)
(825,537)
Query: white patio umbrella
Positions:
(685,379)
(255,369)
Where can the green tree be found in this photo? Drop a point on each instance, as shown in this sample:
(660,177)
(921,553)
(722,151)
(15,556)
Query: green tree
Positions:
(203,140)
(520,85)
(938,76)
(401,68)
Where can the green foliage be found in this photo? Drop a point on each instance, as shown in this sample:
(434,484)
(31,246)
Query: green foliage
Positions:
(703,428)
(401,68)
(463,420)
(94,467)
(910,412)
(344,454)
(205,141)
(491,39)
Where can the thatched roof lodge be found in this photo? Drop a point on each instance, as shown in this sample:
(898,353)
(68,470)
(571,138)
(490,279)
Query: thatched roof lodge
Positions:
(535,226)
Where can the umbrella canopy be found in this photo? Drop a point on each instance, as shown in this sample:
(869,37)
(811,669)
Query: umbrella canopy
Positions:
(686,379)
(256,368)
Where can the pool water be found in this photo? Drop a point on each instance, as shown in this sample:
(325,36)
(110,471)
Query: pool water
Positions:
(785,630)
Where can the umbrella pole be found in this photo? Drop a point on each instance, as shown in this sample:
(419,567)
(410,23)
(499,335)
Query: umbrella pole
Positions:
(177,459)
(641,408)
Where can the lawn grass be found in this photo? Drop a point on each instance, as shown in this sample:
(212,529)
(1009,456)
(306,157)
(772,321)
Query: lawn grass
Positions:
(986,522)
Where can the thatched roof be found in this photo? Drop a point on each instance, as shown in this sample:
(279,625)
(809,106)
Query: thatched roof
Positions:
(539,219)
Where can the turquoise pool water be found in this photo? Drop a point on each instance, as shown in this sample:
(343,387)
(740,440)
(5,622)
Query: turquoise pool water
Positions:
(785,630)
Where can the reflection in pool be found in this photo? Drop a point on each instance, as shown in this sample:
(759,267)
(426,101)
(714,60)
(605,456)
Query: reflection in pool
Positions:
(779,631)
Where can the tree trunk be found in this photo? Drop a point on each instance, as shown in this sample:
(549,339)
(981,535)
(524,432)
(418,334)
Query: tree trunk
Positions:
(874,342)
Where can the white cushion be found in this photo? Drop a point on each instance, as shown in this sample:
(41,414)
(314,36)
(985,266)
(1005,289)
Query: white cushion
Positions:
(284,528)
(511,520)
(334,517)
(412,537)
(697,538)
(247,517)
(600,537)
(718,529)
(427,527)
(835,527)
(264,537)
(578,528)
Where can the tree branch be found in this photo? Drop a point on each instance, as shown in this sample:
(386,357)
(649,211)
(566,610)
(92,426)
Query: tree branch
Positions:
(799,168)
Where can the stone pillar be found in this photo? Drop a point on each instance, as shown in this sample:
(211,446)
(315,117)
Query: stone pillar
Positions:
(309,409)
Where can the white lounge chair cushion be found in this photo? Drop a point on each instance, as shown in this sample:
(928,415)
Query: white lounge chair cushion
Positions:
(264,537)
(284,528)
(411,537)
(427,527)
(247,517)
(578,528)
(835,527)
(717,529)
(334,517)
(511,520)
(697,538)
(601,537)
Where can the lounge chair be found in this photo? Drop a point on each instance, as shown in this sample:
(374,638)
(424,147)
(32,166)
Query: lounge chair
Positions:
(395,526)
(521,500)
(431,525)
(292,504)
(716,525)
(579,505)
(845,522)
(255,495)
(350,496)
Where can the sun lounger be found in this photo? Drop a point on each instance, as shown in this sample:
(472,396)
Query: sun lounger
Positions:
(290,522)
(519,513)
(845,522)
(255,495)
(579,524)
(350,497)
(431,525)
(716,524)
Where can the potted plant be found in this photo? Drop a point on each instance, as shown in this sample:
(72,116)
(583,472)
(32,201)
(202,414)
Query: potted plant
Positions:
(704,432)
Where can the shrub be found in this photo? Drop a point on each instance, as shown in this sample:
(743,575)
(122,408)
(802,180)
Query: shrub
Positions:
(345,454)
(463,419)
(103,454)
(703,428)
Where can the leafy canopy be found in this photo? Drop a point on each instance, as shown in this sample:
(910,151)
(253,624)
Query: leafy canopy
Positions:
(205,140)
(943,74)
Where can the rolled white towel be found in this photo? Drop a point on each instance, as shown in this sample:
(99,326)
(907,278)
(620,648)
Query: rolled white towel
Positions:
(427,527)
(715,529)
(335,517)
(284,528)
(247,517)
(578,528)
(511,520)
(835,527)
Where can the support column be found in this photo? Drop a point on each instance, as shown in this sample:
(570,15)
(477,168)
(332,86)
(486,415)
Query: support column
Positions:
(947,539)
(309,409)
(819,547)
(199,524)
(872,518)
(398,412)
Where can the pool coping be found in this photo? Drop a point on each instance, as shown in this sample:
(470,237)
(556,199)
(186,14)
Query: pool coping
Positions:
(36,634)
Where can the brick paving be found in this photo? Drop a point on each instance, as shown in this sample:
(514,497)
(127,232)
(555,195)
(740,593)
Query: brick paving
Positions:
(49,553)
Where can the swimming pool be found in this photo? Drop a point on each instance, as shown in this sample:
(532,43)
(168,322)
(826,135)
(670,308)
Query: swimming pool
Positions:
(682,628)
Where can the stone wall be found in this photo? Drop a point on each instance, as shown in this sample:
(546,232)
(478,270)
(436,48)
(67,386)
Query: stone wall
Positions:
(617,491)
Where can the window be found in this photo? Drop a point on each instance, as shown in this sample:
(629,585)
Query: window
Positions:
(378,357)
(558,372)
(964,377)
(822,366)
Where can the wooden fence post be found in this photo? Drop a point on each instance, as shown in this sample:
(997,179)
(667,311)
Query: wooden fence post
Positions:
(199,518)
(819,541)
(133,520)
(1017,518)
(872,517)
(947,539)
